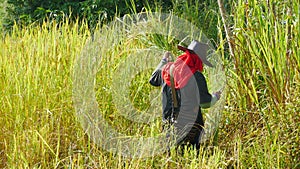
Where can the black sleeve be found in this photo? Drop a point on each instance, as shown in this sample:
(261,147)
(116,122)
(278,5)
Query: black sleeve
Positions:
(205,96)
(156,79)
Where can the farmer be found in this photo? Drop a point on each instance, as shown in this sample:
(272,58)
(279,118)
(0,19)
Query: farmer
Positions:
(184,92)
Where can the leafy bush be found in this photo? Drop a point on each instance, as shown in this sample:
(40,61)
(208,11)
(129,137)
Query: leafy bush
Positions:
(24,12)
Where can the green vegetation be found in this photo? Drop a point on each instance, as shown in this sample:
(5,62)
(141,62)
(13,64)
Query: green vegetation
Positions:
(92,11)
(2,13)
(260,124)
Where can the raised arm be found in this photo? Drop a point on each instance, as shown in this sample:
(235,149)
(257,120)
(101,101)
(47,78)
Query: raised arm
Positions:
(156,78)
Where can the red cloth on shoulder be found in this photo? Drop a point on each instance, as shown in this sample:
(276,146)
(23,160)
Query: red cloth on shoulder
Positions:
(184,68)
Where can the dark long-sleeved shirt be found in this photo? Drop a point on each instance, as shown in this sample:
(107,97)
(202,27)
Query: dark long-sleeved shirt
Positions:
(190,98)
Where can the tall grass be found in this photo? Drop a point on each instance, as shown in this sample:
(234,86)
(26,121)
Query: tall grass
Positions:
(36,111)
(264,84)
(259,129)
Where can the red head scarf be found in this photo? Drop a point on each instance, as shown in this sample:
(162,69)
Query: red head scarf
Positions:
(184,68)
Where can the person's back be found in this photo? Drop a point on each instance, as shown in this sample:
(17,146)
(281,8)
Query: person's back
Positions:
(190,121)
(191,94)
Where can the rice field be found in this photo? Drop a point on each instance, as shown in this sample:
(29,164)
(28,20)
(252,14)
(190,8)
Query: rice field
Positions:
(260,122)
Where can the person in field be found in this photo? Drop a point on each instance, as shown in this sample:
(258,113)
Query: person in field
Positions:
(185,92)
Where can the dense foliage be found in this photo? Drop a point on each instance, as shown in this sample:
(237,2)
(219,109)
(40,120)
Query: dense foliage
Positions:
(93,11)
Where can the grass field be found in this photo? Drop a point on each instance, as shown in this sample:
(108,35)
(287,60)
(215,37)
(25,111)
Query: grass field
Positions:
(260,125)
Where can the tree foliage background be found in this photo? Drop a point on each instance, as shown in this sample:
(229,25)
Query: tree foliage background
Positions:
(25,12)
(28,11)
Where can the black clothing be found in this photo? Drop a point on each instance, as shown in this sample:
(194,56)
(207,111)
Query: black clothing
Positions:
(189,122)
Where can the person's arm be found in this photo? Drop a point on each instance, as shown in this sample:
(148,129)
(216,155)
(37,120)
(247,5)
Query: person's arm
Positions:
(206,99)
(214,99)
(156,77)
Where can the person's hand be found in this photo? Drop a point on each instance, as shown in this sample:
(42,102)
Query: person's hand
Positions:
(166,56)
(218,94)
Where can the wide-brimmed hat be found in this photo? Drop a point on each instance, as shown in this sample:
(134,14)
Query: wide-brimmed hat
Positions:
(200,49)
